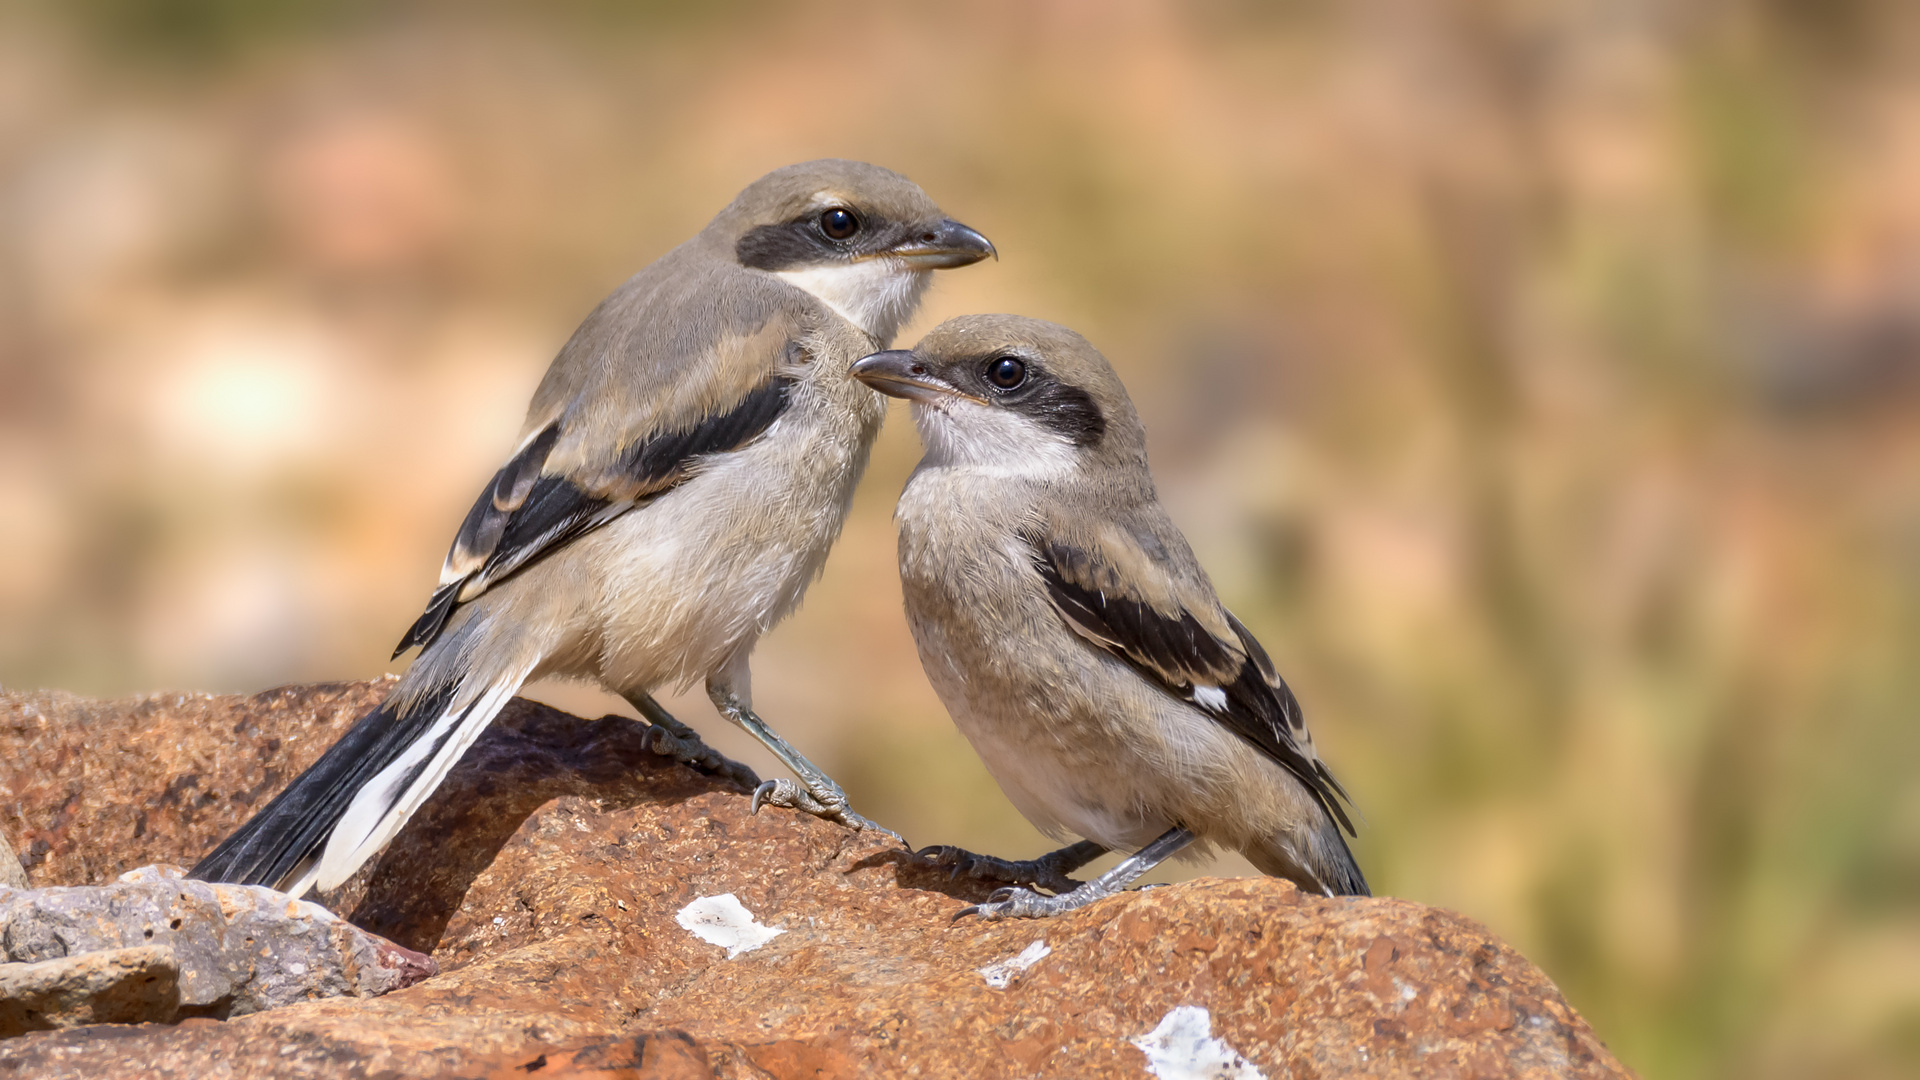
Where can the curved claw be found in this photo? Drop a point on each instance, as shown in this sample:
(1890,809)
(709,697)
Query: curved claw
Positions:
(784,792)
(970,909)
(767,792)
(1015,903)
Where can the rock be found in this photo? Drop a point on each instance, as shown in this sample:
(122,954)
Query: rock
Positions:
(91,789)
(237,949)
(118,986)
(12,874)
(563,878)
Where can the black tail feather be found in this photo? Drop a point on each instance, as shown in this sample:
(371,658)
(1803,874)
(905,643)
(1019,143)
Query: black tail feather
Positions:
(288,832)
(1343,876)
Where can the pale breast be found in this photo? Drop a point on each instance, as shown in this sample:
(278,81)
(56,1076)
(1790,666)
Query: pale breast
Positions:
(1024,691)
(701,572)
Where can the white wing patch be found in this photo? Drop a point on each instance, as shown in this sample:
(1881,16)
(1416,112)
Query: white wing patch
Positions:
(1211,698)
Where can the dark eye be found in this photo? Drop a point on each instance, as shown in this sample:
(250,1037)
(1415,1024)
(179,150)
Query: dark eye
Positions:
(839,223)
(1006,372)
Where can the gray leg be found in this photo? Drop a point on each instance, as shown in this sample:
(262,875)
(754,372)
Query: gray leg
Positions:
(1049,871)
(816,793)
(1025,904)
(671,738)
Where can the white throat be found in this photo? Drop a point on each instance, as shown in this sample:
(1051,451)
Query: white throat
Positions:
(877,295)
(987,441)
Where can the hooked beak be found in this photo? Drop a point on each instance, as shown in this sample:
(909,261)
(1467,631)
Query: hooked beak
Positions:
(898,373)
(943,247)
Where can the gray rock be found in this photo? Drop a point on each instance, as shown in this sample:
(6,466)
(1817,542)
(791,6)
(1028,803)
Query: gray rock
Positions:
(117,986)
(237,948)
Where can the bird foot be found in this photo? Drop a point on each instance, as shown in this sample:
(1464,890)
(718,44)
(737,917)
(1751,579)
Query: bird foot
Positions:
(1016,903)
(1048,872)
(830,803)
(670,738)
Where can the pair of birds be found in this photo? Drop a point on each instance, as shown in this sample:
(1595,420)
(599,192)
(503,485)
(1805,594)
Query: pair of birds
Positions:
(688,461)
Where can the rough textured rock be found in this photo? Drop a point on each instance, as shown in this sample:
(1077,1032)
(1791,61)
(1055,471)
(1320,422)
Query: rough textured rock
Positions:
(12,874)
(237,949)
(117,986)
(91,789)
(547,875)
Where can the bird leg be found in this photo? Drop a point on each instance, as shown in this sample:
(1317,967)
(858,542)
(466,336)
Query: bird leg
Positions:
(1049,871)
(1014,903)
(669,737)
(816,793)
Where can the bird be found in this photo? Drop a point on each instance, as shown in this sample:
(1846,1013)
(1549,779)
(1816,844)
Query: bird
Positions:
(1079,646)
(685,465)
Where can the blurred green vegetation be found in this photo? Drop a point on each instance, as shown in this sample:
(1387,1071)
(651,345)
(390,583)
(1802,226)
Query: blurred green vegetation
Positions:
(1538,380)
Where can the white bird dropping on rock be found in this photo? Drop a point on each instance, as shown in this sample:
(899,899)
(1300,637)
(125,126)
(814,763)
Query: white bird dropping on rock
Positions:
(1183,1048)
(722,920)
(1001,975)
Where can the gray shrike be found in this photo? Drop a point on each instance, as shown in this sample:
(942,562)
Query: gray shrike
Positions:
(1078,644)
(685,465)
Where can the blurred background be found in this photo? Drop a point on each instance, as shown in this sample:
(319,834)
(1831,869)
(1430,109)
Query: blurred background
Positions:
(1540,381)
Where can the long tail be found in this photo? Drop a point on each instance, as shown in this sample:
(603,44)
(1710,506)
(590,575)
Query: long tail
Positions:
(347,805)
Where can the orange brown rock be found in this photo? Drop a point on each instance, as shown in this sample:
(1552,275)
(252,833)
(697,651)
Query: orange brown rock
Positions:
(546,874)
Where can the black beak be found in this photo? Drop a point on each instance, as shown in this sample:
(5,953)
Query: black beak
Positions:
(898,373)
(943,247)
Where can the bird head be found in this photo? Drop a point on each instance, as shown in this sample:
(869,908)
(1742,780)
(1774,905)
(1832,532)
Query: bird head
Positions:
(1012,394)
(863,239)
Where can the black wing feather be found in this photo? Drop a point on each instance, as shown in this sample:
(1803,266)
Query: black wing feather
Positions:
(524,515)
(1260,707)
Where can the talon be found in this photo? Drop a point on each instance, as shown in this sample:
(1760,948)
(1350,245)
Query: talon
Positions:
(970,909)
(763,794)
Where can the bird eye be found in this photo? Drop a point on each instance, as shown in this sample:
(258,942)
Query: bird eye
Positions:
(1006,372)
(839,223)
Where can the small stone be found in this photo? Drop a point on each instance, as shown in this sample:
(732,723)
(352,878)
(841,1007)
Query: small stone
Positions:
(116,986)
(234,949)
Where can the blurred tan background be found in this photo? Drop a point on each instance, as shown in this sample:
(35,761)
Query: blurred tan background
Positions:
(1539,380)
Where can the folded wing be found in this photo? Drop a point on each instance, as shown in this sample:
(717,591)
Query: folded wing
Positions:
(528,512)
(1172,630)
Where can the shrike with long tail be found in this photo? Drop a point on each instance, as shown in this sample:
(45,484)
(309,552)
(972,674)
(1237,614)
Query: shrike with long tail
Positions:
(1073,636)
(685,466)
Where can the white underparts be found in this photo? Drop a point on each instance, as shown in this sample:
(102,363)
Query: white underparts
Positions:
(1210,697)
(877,295)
